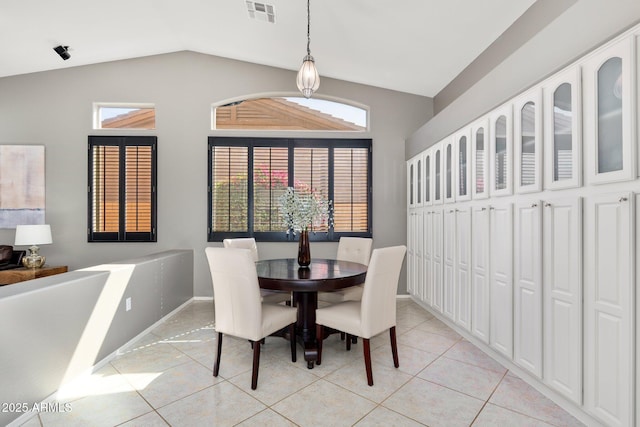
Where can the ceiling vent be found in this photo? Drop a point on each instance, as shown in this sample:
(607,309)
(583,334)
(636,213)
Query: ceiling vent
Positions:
(261,11)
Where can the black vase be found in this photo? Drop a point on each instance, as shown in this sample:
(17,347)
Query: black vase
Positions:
(304,253)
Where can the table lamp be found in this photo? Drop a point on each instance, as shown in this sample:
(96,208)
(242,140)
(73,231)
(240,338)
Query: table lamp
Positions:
(33,235)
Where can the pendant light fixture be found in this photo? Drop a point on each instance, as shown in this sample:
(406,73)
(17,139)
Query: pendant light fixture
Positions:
(308,79)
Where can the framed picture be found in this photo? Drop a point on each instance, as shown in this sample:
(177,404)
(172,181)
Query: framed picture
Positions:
(22,195)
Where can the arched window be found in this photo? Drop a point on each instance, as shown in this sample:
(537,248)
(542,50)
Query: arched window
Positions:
(289,113)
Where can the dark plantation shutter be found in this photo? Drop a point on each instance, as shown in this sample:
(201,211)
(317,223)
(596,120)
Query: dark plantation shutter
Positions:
(229,193)
(311,174)
(106,189)
(247,176)
(270,180)
(122,193)
(138,189)
(351,190)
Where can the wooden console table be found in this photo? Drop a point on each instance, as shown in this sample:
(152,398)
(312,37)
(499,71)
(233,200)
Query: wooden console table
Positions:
(15,275)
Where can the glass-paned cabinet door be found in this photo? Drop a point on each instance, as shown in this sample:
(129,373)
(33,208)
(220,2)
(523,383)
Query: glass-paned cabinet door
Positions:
(527,135)
(449,153)
(419,177)
(500,151)
(411,182)
(607,76)
(436,167)
(463,164)
(563,130)
(428,199)
(480,159)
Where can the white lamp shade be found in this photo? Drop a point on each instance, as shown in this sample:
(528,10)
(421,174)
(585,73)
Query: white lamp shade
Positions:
(33,235)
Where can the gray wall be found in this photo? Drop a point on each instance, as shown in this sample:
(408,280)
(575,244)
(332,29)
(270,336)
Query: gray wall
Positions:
(54,108)
(576,30)
(58,327)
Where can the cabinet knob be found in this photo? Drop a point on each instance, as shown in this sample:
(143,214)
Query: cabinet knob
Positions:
(623,199)
(535,205)
(547,205)
(483,209)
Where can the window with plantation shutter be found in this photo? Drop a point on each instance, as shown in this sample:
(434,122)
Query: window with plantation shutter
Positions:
(122,189)
(247,176)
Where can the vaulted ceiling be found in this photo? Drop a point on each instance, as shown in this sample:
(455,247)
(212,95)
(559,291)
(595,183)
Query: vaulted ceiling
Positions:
(413,46)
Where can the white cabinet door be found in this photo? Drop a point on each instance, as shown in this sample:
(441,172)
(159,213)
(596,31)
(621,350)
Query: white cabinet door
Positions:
(563,130)
(480,159)
(411,182)
(419,174)
(527,136)
(411,228)
(418,264)
(438,258)
(562,296)
(609,90)
(501,151)
(449,264)
(463,267)
(427,257)
(480,272)
(463,165)
(609,308)
(501,282)
(528,286)
(449,169)
(428,176)
(438,175)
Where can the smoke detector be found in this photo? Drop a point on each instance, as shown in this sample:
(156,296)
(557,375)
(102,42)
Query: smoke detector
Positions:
(261,11)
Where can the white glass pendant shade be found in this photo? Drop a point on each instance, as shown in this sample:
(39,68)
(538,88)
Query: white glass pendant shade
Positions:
(308,78)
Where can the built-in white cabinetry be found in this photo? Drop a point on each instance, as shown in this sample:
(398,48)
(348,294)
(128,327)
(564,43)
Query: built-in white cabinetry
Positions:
(463,266)
(609,308)
(449,169)
(480,269)
(562,295)
(501,278)
(527,131)
(501,151)
(449,263)
(463,165)
(609,80)
(528,286)
(457,265)
(427,256)
(524,233)
(480,159)
(411,244)
(437,224)
(563,130)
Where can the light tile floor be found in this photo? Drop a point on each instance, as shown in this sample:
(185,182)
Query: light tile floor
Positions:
(165,379)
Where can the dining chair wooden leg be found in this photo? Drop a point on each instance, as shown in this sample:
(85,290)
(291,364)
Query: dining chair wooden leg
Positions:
(216,365)
(292,339)
(320,338)
(256,365)
(394,346)
(367,360)
(348,342)
(342,336)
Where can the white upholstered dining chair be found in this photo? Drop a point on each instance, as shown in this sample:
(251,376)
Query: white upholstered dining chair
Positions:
(354,249)
(375,313)
(272,297)
(239,310)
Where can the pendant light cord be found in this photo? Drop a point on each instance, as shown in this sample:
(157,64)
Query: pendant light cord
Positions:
(308,27)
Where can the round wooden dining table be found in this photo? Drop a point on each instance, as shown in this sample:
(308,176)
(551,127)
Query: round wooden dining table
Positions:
(305,283)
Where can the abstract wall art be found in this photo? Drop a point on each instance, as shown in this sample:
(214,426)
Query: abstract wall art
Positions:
(22,195)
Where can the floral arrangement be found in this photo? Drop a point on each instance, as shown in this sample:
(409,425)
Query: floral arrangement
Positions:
(303,210)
